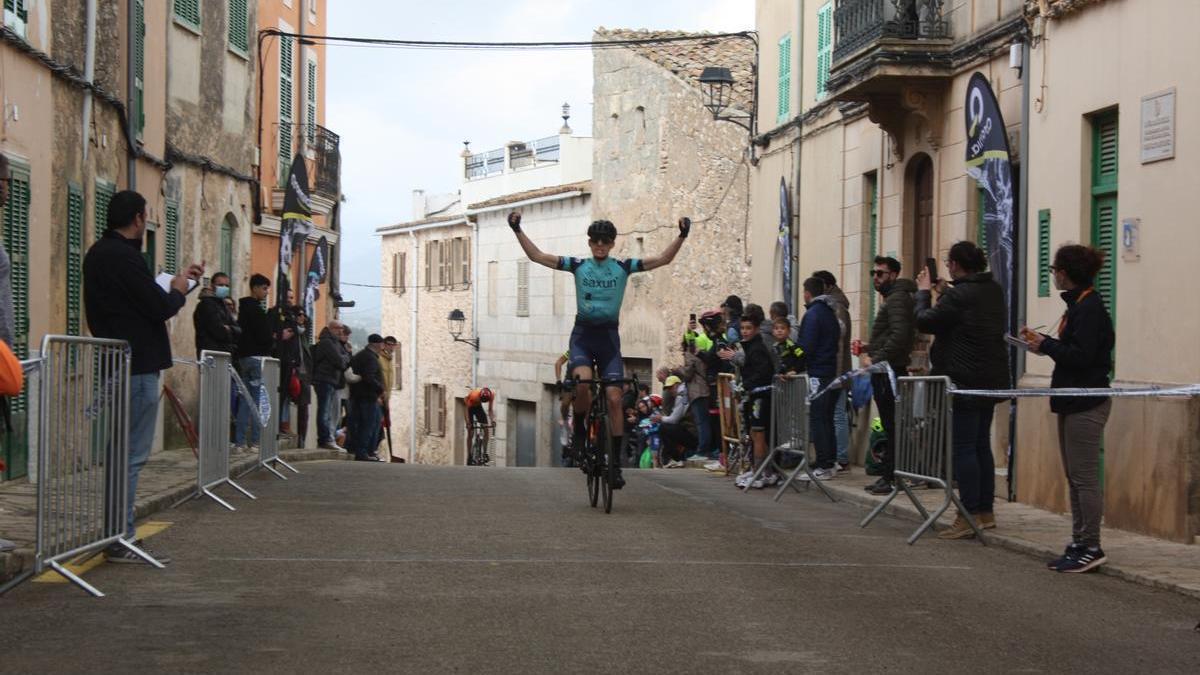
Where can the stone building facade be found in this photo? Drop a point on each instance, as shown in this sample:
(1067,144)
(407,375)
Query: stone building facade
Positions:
(660,155)
(428,262)
(186,151)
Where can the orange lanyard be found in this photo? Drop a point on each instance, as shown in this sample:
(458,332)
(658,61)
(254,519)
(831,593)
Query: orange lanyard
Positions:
(1062,324)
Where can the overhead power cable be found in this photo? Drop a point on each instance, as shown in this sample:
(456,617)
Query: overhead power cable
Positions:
(465,45)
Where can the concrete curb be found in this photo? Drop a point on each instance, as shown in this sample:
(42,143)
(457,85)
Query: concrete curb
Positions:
(902,508)
(14,562)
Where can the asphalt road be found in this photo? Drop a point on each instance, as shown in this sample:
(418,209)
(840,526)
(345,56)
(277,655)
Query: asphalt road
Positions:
(355,567)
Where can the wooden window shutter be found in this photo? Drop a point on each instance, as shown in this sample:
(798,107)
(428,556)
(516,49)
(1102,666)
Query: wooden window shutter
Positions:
(139,66)
(464,262)
(441,403)
(310,102)
(522,288)
(239,26)
(980,219)
(784,85)
(171,215)
(428,264)
(1105,170)
(16,242)
(74,259)
(1043,253)
(187,12)
(824,47)
(103,195)
(286,49)
(873,244)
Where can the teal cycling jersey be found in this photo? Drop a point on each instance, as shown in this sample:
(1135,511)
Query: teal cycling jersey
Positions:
(599,286)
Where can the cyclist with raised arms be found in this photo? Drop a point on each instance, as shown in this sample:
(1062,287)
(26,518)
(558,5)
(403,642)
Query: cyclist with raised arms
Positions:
(599,291)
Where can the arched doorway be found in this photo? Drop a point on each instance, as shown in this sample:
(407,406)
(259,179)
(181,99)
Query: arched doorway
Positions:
(919,184)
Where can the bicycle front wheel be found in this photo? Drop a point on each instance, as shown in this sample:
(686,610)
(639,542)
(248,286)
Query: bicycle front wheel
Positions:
(593,484)
(608,472)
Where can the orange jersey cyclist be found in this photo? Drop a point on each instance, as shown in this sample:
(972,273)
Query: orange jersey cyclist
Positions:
(599,291)
(475,414)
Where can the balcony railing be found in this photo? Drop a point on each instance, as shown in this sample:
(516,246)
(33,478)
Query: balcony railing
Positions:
(519,156)
(858,23)
(327,181)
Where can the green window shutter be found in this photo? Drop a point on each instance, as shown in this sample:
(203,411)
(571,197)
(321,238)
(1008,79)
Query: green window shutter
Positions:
(824,47)
(1043,253)
(226,251)
(139,66)
(285,107)
(1104,238)
(311,102)
(187,12)
(1104,153)
(171,257)
(1104,203)
(150,254)
(74,258)
(239,26)
(16,242)
(104,194)
(785,79)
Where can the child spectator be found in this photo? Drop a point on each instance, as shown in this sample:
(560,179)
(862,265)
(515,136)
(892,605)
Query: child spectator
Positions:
(757,363)
(790,355)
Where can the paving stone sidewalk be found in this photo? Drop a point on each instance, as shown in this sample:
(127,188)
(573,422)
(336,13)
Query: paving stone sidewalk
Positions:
(167,478)
(1134,557)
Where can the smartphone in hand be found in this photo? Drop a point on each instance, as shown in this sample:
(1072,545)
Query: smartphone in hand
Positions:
(931,268)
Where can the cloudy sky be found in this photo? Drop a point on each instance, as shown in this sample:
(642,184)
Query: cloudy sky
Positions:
(403,114)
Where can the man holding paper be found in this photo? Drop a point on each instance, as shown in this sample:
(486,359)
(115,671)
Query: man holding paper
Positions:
(123,302)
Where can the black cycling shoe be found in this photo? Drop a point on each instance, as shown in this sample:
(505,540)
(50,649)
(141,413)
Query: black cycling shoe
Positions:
(618,481)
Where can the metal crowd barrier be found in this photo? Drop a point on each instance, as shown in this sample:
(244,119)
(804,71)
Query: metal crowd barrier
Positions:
(216,378)
(790,418)
(923,449)
(83,452)
(268,448)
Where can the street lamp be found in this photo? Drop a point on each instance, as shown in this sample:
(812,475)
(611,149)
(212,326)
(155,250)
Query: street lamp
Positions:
(717,85)
(455,323)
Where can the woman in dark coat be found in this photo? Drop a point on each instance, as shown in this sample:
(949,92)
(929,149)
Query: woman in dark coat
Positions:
(1082,353)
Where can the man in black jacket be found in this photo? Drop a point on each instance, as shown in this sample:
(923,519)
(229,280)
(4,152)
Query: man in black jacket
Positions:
(123,302)
(968,326)
(256,341)
(892,337)
(364,400)
(329,375)
(216,329)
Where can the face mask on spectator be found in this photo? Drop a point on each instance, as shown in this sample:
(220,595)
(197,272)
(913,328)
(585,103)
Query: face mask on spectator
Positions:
(221,292)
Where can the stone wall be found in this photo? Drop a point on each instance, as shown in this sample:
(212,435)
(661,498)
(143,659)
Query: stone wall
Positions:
(659,155)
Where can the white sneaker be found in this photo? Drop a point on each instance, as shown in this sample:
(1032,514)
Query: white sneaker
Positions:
(819,474)
(743,477)
(771,480)
(838,467)
(758,484)
(714,466)
(676,464)
(697,458)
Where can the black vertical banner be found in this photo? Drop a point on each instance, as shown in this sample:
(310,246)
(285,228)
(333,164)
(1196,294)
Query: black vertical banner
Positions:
(989,164)
(295,224)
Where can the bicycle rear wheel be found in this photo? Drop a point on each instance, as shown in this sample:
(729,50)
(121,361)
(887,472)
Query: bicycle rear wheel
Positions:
(593,479)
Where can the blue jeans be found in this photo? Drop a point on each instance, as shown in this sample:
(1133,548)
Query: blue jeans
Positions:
(698,409)
(820,416)
(247,414)
(327,409)
(841,426)
(364,426)
(974,468)
(143,412)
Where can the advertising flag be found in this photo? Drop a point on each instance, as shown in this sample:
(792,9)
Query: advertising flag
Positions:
(295,225)
(988,162)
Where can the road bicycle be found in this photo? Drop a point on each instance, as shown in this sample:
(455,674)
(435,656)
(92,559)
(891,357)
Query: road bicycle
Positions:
(598,459)
(477,454)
